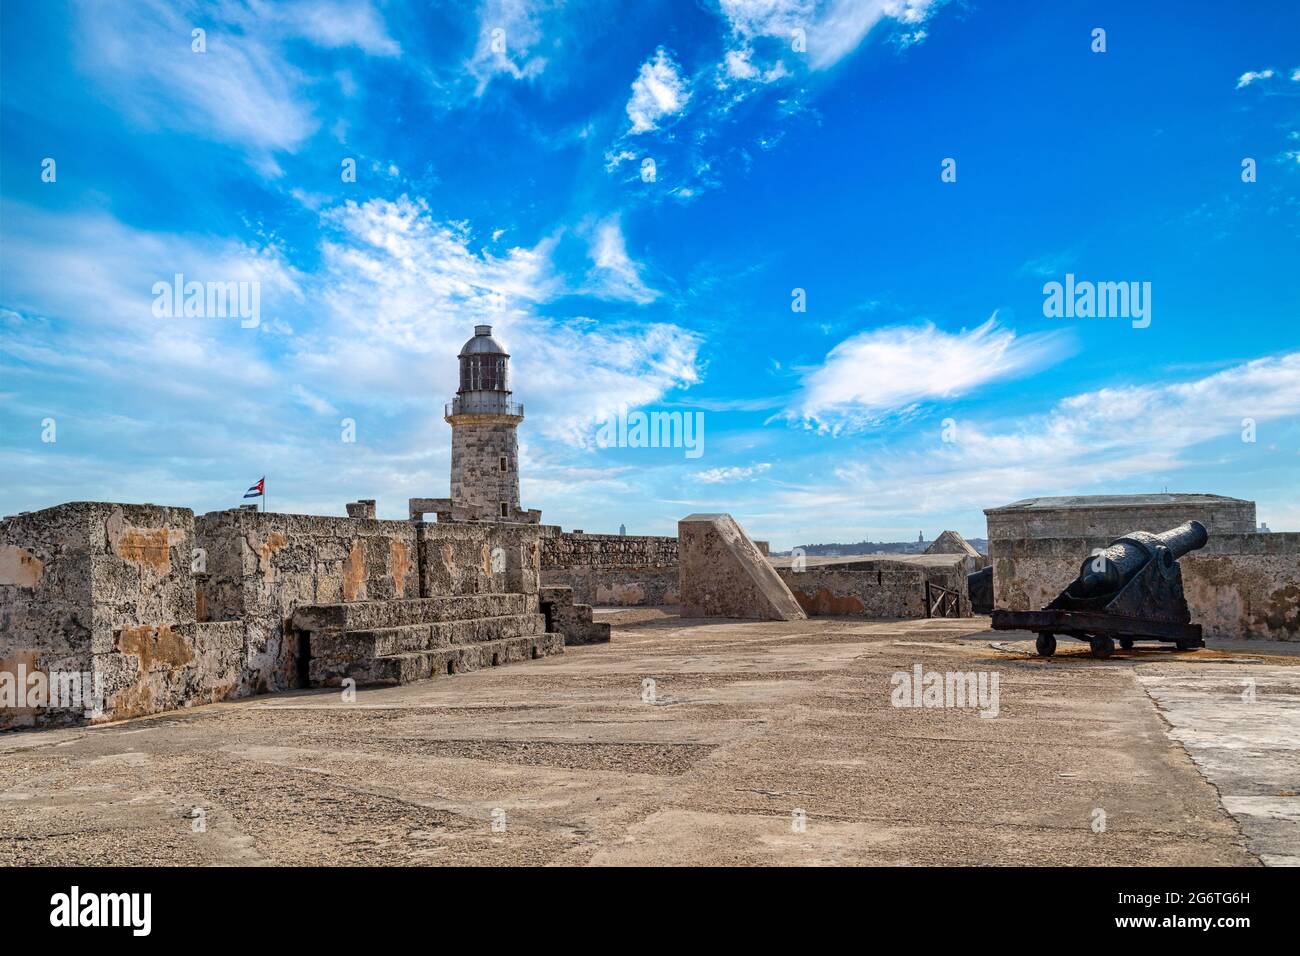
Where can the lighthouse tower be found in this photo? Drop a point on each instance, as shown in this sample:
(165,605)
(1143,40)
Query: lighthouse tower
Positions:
(484,446)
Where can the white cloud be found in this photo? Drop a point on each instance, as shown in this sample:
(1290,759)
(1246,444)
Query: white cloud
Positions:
(1295,75)
(738,65)
(890,370)
(404,291)
(1126,438)
(508,31)
(658,93)
(244,90)
(375,331)
(716,476)
(833,28)
(614,274)
(616,158)
(1252,76)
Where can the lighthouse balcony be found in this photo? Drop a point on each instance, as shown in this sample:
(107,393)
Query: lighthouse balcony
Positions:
(481,404)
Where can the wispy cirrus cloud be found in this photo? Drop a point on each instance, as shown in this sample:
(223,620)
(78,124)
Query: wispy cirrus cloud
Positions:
(1106,440)
(370,332)
(718,476)
(614,274)
(245,87)
(508,33)
(767,44)
(887,371)
(829,30)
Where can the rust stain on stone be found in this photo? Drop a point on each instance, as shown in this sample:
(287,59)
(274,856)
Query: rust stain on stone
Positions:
(29,663)
(824,602)
(136,700)
(1283,612)
(354,573)
(264,550)
(19,566)
(399,565)
(147,547)
(156,645)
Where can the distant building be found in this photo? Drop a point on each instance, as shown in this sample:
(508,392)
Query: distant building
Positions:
(920,537)
(1264,529)
(622,531)
(950,542)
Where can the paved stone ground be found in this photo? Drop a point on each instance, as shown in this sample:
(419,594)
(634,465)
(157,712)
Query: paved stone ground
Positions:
(749,724)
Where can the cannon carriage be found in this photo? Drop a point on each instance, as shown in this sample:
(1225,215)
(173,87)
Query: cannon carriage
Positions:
(1129,591)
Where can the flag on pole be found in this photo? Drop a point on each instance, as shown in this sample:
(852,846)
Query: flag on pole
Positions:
(257,490)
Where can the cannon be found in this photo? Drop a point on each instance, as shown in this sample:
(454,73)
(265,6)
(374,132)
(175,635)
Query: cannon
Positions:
(1128,591)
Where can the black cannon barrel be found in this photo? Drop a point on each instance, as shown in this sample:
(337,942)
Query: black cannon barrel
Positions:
(1187,537)
(1110,569)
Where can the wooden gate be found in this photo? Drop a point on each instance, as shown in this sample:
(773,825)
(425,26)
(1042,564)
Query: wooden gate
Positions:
(940,601)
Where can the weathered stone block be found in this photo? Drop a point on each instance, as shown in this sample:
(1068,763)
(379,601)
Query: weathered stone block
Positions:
(723,574)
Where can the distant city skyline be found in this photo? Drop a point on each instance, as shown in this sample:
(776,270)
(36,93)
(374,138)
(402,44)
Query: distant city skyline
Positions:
(932,258)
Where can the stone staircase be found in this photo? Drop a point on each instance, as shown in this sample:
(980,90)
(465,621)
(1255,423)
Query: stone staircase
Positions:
(572,620)
(397,642)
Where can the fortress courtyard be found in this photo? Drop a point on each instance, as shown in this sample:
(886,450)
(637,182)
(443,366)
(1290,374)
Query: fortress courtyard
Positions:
(702,742)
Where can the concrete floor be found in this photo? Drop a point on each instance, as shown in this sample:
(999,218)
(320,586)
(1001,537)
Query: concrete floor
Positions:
(750,723)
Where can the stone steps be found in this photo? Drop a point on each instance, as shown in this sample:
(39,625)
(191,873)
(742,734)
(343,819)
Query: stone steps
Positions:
(397,642)
(376,615)
(381,642)
(572,620)
(411,666)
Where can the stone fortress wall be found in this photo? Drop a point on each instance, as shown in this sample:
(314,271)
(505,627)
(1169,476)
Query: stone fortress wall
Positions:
(608,570)
(612,570)
(164,610)
(875,588)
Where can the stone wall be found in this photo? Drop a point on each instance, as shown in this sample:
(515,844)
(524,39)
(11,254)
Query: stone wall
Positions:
(618,587)
(159,610)
(611,569)
(478,558)
(577,549)
(1238,585)
(889,589)
(106,592)
(260,566)
(1109,517)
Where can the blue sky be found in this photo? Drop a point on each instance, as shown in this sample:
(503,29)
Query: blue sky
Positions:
(797,145)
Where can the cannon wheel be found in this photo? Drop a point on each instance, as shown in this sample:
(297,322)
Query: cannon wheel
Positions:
(1126,643)
(1046,644)
(1102,646)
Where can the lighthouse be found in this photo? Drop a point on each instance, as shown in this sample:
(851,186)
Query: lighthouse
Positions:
(484,443)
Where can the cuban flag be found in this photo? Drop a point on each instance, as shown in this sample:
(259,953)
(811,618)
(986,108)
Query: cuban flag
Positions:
(257,490)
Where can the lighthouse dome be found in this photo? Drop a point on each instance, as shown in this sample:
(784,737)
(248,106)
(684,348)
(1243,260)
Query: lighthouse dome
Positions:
(484,364)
